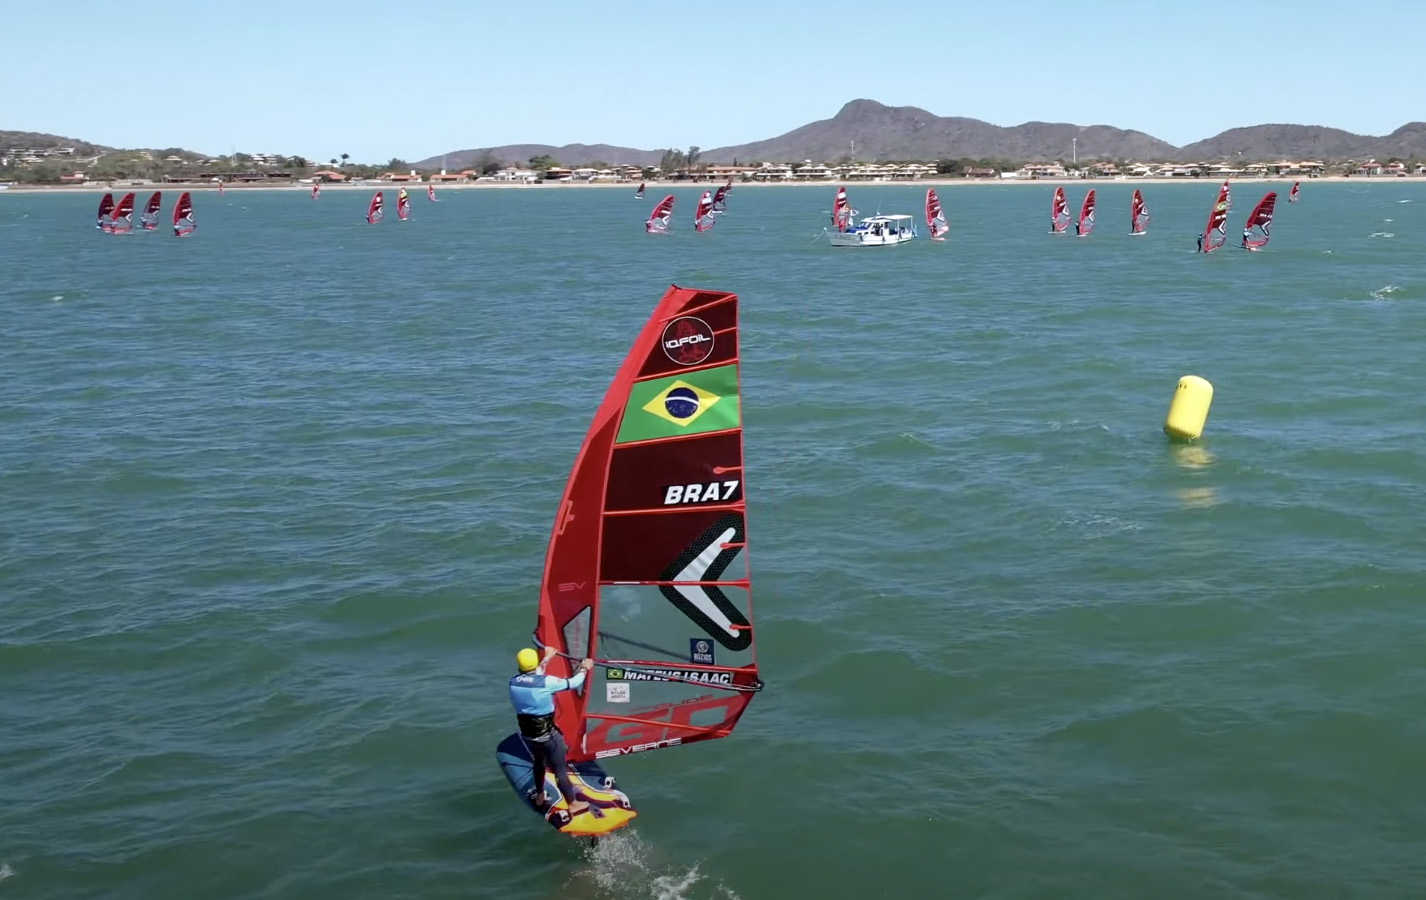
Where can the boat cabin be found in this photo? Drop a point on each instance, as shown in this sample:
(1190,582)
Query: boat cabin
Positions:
(876,231)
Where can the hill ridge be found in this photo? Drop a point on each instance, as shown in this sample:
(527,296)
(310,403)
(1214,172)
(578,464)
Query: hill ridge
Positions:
(881,133)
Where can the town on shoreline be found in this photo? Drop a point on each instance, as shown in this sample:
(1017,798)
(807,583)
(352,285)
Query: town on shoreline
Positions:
(62,169)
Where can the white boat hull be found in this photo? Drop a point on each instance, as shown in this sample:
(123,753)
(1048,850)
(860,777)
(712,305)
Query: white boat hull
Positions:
(867,239)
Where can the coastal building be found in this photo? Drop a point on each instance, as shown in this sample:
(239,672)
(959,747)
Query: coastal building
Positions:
(885,171)
(1041,170)
(516,175)
(773,172)
(725,173)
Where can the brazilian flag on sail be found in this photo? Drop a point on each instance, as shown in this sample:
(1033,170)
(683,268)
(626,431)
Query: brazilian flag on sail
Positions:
(692,403)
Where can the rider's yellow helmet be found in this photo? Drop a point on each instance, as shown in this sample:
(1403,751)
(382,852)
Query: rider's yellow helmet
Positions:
(528,660)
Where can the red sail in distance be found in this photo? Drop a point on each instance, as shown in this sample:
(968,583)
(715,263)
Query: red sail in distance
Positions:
(1059,212)
(842,211)
(935,220)
(1216,231)
(149,217)
(662,216)
(1138,214)
(106,208)
(403,206)
(639,194)
(431,193)
(183,222)
(316,189)
(1257,230)
(647,567)
(704,219)
(374,211)
(1086,215)
(123,216)
(1292,194)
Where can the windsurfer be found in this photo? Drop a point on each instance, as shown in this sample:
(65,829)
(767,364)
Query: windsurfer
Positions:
(1200,243)
(1247,234)
(532,694)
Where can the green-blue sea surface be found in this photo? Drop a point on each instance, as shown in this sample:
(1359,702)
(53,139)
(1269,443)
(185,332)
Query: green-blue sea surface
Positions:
(274,502)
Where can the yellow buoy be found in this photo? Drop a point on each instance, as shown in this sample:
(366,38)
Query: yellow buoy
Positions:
(1189,409)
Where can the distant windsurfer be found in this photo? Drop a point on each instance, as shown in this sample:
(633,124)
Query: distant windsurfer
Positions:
(1076,228)
(532,694)
(1200,243)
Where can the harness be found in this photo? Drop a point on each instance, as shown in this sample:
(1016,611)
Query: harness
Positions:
(536,728)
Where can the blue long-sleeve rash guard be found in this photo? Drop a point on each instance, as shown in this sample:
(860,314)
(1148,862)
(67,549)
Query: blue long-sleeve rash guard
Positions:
(533,694)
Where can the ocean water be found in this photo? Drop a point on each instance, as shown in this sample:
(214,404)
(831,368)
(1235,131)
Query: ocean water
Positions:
(274,501)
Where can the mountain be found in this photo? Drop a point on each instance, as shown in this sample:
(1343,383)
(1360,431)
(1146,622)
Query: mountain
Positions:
(1307,142)
(520,154)
(33,140)
(882,133)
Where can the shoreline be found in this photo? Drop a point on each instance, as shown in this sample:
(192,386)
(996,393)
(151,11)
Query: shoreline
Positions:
(655,186)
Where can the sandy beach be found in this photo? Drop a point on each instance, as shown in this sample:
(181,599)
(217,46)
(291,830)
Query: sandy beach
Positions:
(651,186)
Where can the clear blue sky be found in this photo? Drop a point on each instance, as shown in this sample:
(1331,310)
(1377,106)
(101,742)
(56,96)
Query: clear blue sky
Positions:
(416,79)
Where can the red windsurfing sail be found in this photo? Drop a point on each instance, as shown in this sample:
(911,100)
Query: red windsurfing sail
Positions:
(403,205)
(639,194)
(661,217)
(183,223)
(220,188)
(842,211)
(1059,212)
(720,199)
(704,219)
(1216,231)
(1257,230)
(374,210)
(647,568)
(1138,214)
(1085,224)
(149,217)
(123,215)
(1292,194)
(106,207)
(316,190)
(1227,194)
(431,193)
(935,221)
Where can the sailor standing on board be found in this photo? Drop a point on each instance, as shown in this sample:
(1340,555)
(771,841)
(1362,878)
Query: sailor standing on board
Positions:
(1200,243)
(532,694)
(1247,233)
